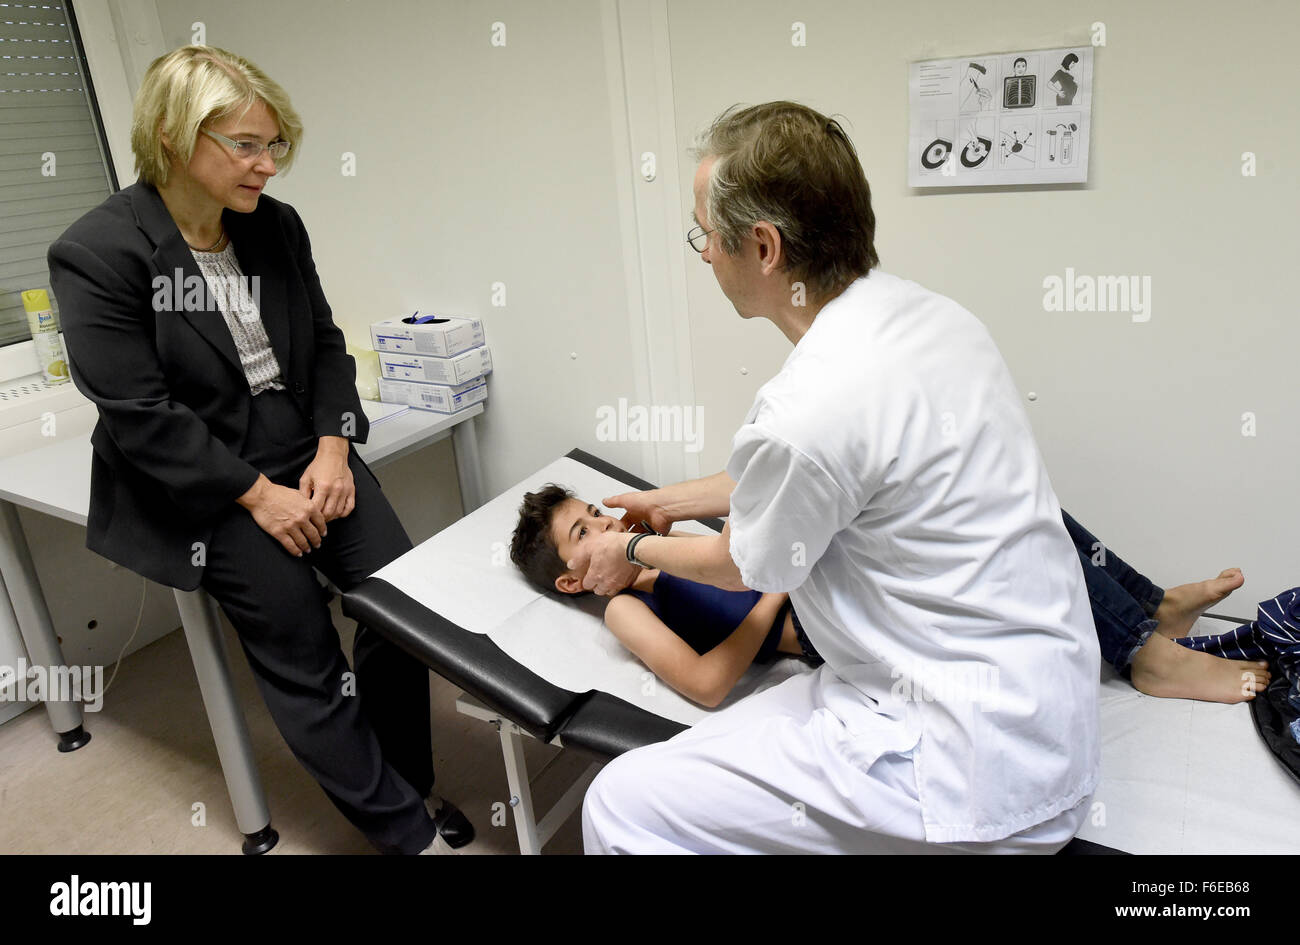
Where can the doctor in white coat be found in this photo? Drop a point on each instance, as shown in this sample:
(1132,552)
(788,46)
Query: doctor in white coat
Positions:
(888,479)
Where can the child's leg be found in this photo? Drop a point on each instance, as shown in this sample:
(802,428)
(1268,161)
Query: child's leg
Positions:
(1123,625)
(1238,643)
(1093,553)
(1167,669)
(1184,604)
(1134,629)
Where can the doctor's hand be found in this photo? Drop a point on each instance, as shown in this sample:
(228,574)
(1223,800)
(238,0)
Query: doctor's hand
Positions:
(641,507)
(328,481)
(286,515)
(602,561)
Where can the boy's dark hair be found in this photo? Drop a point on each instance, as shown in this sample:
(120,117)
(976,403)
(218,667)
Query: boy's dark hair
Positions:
(531,548)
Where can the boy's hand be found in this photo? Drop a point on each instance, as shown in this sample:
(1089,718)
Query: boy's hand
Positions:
(641,507)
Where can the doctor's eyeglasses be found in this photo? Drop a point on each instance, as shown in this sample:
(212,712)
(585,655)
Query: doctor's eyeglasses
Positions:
(698,237)
(249,150)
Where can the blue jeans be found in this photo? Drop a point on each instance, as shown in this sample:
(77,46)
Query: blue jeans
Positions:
(1123,601)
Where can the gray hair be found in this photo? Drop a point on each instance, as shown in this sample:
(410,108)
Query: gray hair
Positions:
(793,167)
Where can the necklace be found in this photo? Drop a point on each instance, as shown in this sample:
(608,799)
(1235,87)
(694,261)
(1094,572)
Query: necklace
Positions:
(213,248)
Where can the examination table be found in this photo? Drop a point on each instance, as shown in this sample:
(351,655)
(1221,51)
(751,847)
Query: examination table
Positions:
(1177,776)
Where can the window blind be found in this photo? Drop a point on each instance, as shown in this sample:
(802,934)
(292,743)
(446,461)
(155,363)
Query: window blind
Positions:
(52,156)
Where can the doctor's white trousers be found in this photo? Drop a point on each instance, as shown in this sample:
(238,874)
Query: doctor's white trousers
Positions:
(780,772)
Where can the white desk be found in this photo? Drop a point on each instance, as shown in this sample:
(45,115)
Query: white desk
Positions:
(56,480)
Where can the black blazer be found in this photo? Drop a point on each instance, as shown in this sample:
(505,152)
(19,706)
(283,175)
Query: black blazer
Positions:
(172,395)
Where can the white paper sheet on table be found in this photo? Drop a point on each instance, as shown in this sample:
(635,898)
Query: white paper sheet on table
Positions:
(1179,776)
(464,573)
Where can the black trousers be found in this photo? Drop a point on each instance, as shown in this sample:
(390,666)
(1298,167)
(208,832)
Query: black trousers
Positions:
(366,740)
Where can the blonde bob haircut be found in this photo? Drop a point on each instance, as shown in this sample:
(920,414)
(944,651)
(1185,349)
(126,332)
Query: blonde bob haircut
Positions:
(193,85)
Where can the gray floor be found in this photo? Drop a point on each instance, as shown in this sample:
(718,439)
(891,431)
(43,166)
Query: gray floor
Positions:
(151,764)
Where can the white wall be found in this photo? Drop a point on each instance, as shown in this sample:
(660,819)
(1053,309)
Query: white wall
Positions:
(1140,423)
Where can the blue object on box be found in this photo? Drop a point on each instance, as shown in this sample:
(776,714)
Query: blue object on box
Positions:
(422,319)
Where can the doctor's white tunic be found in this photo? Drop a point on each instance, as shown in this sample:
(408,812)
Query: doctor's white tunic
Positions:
(888,479)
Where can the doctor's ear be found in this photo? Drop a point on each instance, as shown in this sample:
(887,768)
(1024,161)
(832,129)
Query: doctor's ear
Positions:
(768,238)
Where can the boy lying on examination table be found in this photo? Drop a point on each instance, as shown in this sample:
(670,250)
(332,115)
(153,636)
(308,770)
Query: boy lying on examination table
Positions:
(697,638)
(700,639)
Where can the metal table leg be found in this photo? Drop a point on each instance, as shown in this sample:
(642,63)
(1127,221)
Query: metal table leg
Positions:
(464,441)
(24,603)
(521,792)
(234,748)
(533,834)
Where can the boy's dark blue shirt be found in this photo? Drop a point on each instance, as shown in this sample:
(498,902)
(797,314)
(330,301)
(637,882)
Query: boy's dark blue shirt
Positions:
(701,614)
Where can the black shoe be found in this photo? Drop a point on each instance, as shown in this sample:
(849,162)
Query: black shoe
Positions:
(453,826)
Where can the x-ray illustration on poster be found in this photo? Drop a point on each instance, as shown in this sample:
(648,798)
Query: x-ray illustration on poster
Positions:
(1009,118)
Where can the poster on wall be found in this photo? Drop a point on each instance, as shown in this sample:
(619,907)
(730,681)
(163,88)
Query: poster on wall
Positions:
(1005,118)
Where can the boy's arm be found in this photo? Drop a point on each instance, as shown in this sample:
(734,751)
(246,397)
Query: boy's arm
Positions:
(703,678)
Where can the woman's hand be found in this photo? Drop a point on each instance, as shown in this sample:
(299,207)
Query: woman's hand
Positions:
(641,507)
(328,481)
(286,515)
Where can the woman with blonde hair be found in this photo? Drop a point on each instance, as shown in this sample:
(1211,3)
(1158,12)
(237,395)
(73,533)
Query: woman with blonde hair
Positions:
(195,321)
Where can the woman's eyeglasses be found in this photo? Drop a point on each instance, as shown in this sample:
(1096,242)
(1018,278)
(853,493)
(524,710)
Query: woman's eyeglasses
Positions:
(249,150)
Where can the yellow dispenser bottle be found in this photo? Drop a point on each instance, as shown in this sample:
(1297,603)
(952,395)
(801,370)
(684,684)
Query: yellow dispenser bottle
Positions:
(45,334)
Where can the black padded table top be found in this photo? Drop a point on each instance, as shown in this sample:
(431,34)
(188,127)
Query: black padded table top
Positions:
(594,721)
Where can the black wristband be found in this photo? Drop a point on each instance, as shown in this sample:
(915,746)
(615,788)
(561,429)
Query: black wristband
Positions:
(631,552)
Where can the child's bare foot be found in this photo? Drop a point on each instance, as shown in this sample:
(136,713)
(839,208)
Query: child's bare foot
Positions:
(1183,604)
(1172,671)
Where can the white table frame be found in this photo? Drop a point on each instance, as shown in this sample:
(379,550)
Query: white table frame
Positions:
(25,480)
(533,833)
